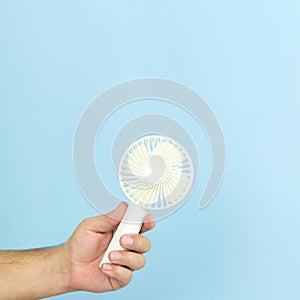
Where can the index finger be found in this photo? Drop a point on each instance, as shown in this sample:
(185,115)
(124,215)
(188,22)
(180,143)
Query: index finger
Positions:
(149,223)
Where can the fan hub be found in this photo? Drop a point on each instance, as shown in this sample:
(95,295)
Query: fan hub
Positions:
(156,171)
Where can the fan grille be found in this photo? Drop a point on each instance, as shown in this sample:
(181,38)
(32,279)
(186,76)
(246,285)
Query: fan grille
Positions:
(156,172)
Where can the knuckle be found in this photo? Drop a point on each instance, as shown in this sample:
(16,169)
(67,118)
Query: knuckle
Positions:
(139,242)
(142,262)
(127,258)
(134,261)
(148,245)
(145,244)
(118,271)
(128,278)
(125,278)
(85,222)
(142,244)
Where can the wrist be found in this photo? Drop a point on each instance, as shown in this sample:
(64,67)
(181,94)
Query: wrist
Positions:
(64,270)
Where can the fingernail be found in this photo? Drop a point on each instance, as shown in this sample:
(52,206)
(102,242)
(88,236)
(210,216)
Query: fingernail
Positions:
(107,267)
(115,256)
(127,240)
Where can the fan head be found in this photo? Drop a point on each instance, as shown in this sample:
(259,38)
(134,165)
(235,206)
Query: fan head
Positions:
(156,172)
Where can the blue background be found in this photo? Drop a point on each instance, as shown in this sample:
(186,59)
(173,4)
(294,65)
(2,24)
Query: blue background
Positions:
(241,56)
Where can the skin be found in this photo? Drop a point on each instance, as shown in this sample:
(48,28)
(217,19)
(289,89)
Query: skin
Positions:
(74,266)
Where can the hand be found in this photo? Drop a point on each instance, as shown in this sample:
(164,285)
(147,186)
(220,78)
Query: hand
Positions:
(87,245)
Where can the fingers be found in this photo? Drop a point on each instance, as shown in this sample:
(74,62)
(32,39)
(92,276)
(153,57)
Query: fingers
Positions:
(120,274)
(122,266)
(106,222)
(133,261)
(149,223)
(135,242)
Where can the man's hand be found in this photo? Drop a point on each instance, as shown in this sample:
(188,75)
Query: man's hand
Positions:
(74,266)
(87,245)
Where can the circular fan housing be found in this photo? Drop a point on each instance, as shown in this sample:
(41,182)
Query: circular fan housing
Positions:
(156,172)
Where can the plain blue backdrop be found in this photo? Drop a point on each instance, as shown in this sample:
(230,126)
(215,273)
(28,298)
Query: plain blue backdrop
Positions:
(243,57)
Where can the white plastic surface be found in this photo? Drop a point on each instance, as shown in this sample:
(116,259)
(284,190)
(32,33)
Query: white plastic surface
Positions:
(131,223)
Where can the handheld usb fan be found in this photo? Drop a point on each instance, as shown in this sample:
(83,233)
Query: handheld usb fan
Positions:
(155,173)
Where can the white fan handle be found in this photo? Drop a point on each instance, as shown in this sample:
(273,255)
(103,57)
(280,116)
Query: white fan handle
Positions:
(131,223)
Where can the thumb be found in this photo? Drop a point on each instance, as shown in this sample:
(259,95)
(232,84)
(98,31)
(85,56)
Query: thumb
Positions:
(107,222)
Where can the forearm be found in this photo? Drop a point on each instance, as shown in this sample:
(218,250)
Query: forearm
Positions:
(33,274)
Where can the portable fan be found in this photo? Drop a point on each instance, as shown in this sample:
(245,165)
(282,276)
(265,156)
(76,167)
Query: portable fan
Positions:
(155,173)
